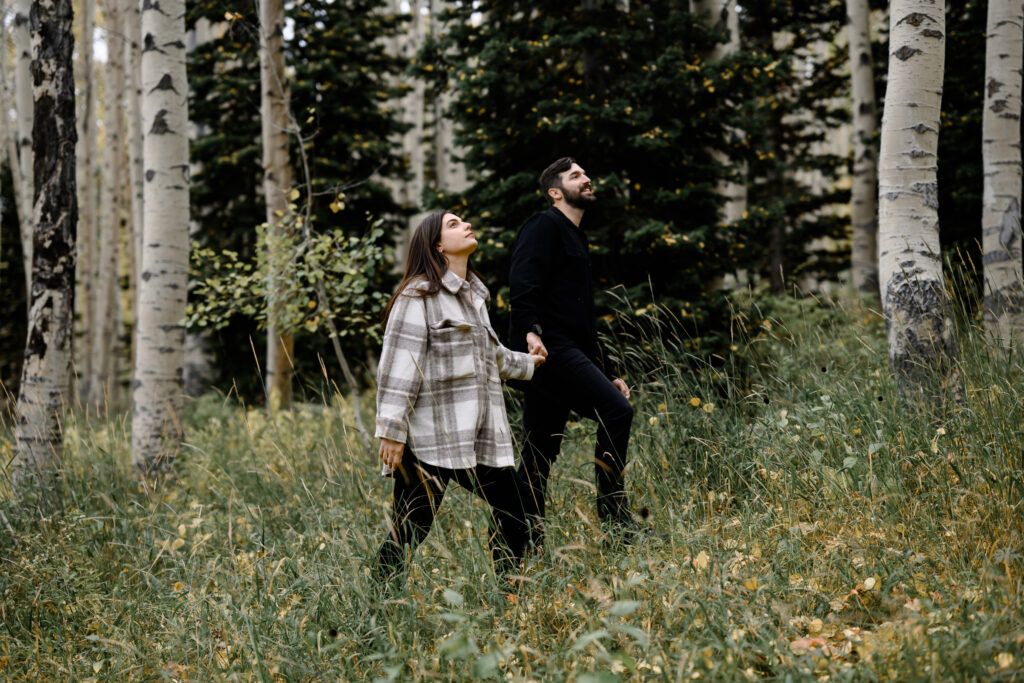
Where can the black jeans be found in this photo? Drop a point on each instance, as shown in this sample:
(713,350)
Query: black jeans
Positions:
(569,381)
(419,490)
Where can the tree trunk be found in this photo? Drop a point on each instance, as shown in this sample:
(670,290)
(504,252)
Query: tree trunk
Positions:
(913,292)
(1001,155)
(22,167)
(724,17)
(157,386)
(44,379)
(277,183)
(864,190)
(133,113)
(102,384)
(86,177)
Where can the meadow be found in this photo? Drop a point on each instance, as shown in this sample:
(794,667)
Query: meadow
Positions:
(812,525)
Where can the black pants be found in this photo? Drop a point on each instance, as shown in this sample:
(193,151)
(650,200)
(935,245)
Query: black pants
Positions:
(419,490)
(569,381)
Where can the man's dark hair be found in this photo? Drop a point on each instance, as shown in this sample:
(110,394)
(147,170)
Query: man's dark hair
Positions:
(549,178)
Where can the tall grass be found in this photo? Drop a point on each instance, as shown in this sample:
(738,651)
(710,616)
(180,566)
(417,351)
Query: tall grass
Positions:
(813,525)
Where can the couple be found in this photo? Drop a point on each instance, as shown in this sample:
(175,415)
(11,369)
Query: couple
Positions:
(440,410)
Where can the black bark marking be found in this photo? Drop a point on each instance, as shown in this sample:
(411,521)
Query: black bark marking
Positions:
(175,43)
(1009,231)
(866,108)
(150,174)
(35,346)
(146,276)
(993,86)
(1009,299)
(160,124)
(865,58)
(166,83)
(149,43)
(905,53)
(931,33)
(929,193)
(921,129)
(919,154)
(915,19)
(998,106)
(153,5)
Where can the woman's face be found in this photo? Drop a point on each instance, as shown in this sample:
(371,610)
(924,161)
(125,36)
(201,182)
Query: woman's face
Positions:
(457,237)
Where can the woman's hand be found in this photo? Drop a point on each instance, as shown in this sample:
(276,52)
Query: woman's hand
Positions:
(391,453)
(538,359)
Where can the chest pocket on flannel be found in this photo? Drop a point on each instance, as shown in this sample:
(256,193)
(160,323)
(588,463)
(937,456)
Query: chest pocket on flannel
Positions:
(451,349)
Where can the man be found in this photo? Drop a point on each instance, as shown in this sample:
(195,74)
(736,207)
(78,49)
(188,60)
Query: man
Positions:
(552,313)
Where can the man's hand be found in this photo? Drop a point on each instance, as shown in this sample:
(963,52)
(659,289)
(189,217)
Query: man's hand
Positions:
(534,346)
(621,386)
(391,453)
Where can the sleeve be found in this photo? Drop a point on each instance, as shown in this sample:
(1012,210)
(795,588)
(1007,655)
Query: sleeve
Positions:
(532,260)
(513,364)
(401,367)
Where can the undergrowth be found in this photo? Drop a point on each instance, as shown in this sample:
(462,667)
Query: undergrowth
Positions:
(811,524)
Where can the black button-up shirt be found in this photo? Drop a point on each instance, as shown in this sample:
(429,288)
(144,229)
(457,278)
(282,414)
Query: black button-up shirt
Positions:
(550,284)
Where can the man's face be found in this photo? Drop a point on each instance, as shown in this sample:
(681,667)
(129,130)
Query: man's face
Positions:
(576,188)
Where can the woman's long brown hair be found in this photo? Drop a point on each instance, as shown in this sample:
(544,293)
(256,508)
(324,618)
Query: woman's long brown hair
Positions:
(424,261)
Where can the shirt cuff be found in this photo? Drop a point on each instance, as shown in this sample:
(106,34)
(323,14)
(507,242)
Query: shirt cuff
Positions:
(388,428)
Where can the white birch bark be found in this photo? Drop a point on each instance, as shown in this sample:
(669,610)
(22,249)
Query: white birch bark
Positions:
(157,386)
(86,178)
(277,183)
(1001,158)
(133,116)
(864,190)
(913,292)
(47,367)
(724,16)
(22,170)
(104,341)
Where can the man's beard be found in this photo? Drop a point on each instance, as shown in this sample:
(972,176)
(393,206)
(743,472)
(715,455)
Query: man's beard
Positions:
(578,201)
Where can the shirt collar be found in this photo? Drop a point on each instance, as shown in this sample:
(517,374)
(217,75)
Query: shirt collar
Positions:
(453,283)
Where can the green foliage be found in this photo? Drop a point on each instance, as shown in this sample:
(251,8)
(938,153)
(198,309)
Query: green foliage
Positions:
(341,91)
(634,97)
(813,527)
(345,269)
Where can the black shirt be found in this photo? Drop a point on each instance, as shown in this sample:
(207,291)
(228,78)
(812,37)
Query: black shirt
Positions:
(550,282)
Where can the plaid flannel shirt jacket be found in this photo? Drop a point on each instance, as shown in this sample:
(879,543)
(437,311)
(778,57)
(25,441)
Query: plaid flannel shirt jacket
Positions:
(439,377)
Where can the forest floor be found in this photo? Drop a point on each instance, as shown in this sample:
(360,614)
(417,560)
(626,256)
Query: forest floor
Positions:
(813,525)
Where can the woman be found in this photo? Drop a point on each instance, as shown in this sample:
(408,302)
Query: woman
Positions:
(440,409)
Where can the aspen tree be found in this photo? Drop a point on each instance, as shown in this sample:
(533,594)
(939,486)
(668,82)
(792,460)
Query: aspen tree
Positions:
(277,184)
(724,16)
(1001,157)
(914,296)
(22,167)
(108,233)
(86,178)
(864,190)
(42,396)
(133,115)
(157,395)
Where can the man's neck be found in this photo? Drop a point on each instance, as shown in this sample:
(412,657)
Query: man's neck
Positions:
(571,212)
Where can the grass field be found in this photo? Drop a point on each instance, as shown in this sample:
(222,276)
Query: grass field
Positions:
(815,527)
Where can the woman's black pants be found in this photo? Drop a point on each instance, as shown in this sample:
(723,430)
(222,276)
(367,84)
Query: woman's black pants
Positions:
(419,490)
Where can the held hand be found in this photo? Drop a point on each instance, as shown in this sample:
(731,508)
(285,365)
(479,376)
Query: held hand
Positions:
(391,453)
(538,359)
(621,386)
(534,346)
